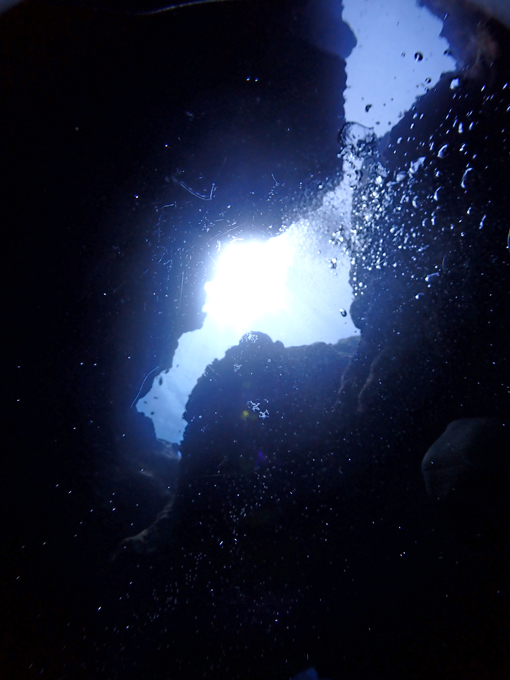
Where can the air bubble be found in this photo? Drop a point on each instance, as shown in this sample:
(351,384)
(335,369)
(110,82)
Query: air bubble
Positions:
(343,312)
(443,151)
(418,56)
(465,178)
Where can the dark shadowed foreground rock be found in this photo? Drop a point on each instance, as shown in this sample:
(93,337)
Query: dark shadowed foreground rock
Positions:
(260,411)
(466,456)
(262,402)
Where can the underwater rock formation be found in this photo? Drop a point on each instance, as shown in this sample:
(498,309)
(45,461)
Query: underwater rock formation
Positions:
(271,401)
(300,504)
(467,457)
(261,410)
(430,269)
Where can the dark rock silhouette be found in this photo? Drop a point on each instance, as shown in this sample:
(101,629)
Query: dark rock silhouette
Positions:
(272,402)
(470,457)
(261,410)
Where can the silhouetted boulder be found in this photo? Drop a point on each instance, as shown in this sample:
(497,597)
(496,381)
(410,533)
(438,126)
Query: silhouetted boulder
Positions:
(261,404)
(259,421)
(467,457)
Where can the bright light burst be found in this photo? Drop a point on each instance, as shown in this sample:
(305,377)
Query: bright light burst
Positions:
(284,287)
(250,283)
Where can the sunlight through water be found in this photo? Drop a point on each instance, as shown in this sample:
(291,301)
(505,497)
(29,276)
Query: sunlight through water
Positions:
(250,282)
(293,287)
